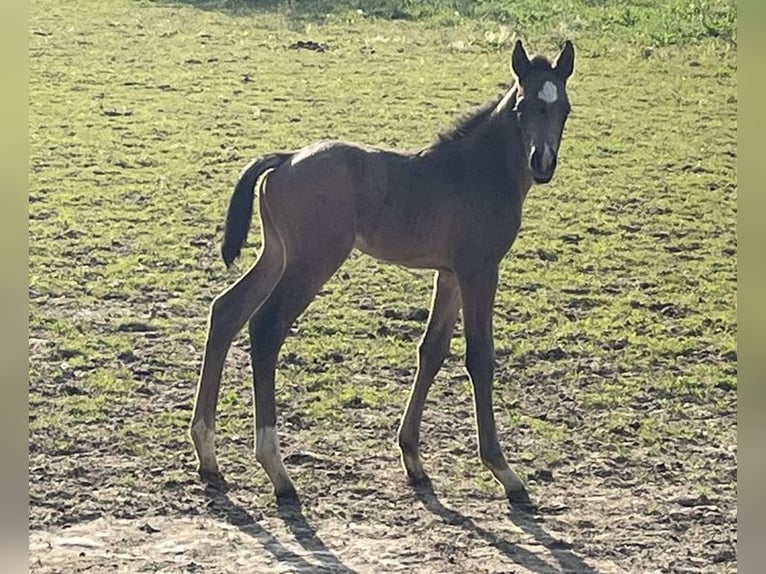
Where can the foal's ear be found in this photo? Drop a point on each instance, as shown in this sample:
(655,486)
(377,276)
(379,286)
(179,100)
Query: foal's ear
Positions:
(564,65)
(520,61)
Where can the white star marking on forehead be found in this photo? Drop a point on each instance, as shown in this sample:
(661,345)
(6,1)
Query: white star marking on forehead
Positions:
(548,93)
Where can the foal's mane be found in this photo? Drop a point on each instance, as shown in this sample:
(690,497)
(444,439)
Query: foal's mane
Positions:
(469,122)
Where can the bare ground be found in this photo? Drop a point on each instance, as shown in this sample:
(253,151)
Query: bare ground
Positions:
(594,514)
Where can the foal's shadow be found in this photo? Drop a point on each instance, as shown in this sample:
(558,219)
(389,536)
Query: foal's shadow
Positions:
(221,506)
(567,560)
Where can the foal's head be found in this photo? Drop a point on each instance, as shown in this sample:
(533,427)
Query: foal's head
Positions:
(542,106)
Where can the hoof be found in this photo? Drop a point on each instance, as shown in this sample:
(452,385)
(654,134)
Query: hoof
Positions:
(213,480)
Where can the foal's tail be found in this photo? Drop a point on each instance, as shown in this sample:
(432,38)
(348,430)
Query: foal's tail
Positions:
(241,204)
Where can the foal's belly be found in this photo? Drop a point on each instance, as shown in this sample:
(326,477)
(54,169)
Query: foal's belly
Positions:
(398,250)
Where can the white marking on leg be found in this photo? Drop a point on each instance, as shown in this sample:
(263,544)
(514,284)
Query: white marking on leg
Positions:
(266,442)
(509,479)
(204,442)
(549,93)
(267,453)
(413,465)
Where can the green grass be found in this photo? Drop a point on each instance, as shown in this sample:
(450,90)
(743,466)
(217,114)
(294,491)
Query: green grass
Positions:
(619,293)
(495,23)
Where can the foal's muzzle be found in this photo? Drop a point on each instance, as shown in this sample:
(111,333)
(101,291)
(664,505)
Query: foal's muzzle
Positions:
(543,163)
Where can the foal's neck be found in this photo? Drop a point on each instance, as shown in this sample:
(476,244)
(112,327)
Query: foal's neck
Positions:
(486,143)
(499,141)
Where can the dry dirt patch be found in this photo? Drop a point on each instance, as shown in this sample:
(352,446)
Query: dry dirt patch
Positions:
(441,540)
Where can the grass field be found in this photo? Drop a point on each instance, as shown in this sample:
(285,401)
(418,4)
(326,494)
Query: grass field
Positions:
(615,324)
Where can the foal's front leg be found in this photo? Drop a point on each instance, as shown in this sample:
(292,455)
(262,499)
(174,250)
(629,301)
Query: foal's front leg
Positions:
(477,289)
(431,353)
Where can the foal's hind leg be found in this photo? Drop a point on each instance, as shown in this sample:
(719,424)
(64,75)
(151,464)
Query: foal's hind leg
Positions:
(477,290)
(303,277)
(228,314)
(268,329)
(431,353)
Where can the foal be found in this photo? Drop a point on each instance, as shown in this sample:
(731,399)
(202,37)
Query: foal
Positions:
(454,206)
